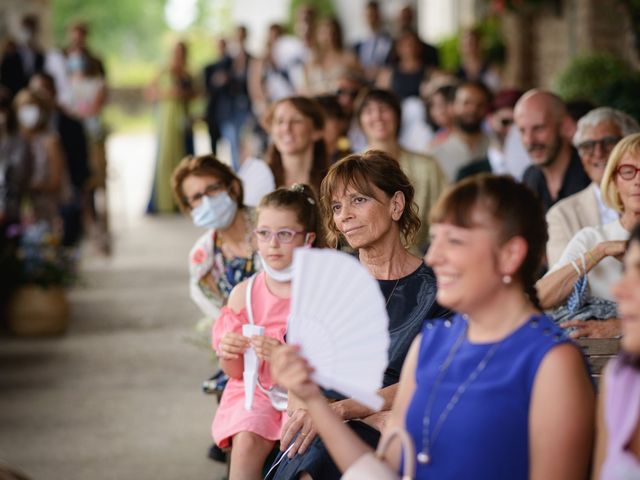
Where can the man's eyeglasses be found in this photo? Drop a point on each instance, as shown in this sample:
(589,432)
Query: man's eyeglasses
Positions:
(285,235)
(506,122)
(627,172)
(210,190)
(588,147)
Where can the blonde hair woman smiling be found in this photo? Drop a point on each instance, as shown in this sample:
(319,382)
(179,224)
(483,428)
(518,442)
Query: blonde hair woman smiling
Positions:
(596,251)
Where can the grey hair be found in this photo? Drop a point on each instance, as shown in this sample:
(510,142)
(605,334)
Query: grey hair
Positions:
(624,122)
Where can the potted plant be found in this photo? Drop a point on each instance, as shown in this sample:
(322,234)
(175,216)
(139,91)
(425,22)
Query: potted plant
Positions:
(38,305)
(603,79)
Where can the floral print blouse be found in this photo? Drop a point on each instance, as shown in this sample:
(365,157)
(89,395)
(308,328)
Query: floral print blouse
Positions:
(205,259)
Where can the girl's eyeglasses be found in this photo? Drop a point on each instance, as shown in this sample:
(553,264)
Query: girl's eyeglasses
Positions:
(284,235)
(627,172)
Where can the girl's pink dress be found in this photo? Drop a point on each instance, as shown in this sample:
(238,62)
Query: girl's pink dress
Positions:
(270,312)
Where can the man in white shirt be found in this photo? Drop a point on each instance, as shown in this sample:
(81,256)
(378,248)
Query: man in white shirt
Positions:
(596,135)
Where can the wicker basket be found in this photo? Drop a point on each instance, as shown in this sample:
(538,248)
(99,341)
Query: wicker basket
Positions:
(35,311)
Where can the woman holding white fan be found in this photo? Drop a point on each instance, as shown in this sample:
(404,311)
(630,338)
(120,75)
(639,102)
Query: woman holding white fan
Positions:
(368,202)
(497,392)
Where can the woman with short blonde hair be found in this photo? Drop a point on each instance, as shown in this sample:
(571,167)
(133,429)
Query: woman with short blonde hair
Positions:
(593,255)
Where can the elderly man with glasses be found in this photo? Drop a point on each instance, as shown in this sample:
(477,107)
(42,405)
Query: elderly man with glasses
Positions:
(596,135)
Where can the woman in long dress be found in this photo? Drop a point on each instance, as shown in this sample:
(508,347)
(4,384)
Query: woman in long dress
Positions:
(171,90)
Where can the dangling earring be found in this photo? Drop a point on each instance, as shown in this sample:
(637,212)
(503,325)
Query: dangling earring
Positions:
(506,279)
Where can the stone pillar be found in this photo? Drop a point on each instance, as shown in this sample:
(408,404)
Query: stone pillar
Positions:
(518,70)
(609,30)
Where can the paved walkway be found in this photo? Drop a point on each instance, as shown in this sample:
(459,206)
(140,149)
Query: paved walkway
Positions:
(117,397)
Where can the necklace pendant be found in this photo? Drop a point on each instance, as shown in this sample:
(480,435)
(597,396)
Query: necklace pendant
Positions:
(423,458)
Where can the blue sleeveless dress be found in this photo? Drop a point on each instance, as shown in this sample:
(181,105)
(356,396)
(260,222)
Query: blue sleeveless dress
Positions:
(486,434)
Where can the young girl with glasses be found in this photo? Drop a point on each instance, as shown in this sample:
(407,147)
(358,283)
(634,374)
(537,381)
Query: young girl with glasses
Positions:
(286,219)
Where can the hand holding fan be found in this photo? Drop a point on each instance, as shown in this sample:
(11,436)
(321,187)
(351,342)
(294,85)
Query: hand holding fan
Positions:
(251,364)
(339,319)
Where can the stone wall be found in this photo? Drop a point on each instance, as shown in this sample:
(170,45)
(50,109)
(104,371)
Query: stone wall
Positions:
(540,43)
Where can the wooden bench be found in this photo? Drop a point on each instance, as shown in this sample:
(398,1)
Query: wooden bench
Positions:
(598,352)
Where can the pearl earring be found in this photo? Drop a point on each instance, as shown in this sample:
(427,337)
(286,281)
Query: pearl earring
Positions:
(506,279)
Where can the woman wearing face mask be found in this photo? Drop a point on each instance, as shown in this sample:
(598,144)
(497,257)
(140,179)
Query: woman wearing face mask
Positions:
(286,219)
(212,194)
(87,99)
(298,153)
(49,184)
(14,164)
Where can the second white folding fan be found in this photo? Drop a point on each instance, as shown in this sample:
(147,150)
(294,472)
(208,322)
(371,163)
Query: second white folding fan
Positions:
(339,319)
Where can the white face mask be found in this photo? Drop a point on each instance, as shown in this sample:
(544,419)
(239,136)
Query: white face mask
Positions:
(75,63)
(215,212)
(28,116)
(284,275)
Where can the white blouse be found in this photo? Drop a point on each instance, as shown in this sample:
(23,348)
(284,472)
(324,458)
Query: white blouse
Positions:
(601,277)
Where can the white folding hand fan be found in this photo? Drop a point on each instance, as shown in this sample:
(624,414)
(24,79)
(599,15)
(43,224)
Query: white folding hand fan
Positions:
(251,365)
(339,319)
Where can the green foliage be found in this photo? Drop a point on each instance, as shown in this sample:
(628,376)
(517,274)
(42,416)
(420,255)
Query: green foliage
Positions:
(133,38)
(603,79)
(323,7)
(493,45)
(448,53)
(119,119)
(130,28)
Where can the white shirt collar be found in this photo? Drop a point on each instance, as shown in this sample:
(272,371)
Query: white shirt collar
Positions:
(607,215)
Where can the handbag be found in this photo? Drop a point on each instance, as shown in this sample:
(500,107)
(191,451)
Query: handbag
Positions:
(372,465)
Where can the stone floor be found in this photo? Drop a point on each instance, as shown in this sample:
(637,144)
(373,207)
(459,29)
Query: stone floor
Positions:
(118,396)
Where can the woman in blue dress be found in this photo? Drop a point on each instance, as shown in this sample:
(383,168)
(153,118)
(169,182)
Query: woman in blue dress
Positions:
(497,392)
